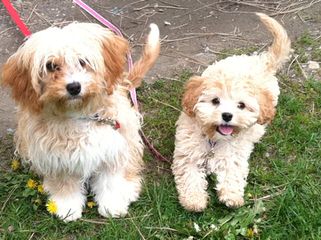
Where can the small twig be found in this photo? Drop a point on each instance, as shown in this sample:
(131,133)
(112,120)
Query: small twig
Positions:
(165,104)
(163,228)
(169,7)
(140,233)
(296,10)
(213,34)
(291,63)
(31,13)
(104,222)
(43,18)
(8,198)
(132,4)
(187,58)
(170,4)
(31,236)
(180,39)
(268,196)
(302,20)
(6,30)
(193,59)
(195,10)
(217,52)
(93,221)
(301,69)
(261,48)
(84,14)
(168,78)
(141,8)
(180,26)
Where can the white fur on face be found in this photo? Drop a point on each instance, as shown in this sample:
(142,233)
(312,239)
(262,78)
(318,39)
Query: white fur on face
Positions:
(210,113)
(76,50)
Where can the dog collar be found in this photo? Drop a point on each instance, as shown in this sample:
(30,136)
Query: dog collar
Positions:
(101,120)
(211,143)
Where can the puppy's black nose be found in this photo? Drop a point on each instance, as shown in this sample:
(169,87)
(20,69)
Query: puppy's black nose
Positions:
(73,88)
(227,116)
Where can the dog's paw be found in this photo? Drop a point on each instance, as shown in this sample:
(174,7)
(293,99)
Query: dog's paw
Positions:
(68,209)
(194,202)
(231,199)
(113,207)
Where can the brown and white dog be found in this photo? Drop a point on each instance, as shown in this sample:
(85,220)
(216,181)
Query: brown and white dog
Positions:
(75,119)
(226,111)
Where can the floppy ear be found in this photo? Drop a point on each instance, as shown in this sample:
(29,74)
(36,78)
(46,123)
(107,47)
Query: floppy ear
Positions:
(115,49)
(193,90)
(267,110)
(18,78)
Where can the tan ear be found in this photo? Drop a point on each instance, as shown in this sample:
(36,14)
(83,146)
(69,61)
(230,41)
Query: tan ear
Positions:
(193,90)
(115,50)
(267,110)
(18,78)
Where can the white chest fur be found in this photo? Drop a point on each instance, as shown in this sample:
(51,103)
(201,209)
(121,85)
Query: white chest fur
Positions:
(76,147)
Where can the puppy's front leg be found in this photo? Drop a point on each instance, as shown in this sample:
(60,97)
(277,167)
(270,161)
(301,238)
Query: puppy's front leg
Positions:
(68,194)
(231,168)
(191,184)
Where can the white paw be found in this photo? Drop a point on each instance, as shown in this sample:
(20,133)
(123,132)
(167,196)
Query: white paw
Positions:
(194,201)
(112,206)
(69,208)
(114,198)
(231,199)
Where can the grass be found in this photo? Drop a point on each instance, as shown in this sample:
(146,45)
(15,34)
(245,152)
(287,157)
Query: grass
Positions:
(282,197)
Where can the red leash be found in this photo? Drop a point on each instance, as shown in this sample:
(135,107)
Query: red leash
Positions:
(16,18)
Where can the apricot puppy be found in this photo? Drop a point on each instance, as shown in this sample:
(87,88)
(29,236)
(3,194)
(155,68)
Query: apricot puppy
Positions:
(76,123)
(226,111)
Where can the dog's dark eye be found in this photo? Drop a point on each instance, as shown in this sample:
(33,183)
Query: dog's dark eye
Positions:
(241,105)
(51,67)
(82,62)
(216,101)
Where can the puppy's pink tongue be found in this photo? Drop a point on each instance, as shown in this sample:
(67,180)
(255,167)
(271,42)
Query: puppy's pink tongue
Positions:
(225,129)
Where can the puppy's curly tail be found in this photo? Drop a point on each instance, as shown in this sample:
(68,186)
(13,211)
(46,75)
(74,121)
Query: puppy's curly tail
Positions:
(150,54)
(278,53)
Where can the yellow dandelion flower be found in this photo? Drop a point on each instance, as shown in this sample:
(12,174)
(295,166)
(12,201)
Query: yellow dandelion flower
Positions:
(40,188)
(91,204)
(250,233)
(52,207)
(15,164)
(31,183)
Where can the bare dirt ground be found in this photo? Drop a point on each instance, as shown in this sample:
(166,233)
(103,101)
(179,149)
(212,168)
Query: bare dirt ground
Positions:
(193,32)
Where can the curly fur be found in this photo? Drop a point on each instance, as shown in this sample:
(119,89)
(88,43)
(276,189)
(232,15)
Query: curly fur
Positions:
(226,111)
(55,133)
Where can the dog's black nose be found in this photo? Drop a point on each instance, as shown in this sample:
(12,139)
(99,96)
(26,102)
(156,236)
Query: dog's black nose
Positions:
(74,88)
(227,116)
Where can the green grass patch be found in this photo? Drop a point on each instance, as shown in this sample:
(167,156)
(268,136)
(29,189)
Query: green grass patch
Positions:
(282,196)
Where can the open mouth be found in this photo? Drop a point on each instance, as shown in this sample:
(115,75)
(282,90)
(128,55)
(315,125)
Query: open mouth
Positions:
(225,130)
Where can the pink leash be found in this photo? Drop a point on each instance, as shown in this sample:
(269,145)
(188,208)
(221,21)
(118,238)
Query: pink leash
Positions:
(133,95)
(113,28)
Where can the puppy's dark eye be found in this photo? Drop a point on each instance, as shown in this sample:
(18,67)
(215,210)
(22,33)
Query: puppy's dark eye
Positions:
(82,62)
(216,101)
(241,105)
(51,67)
